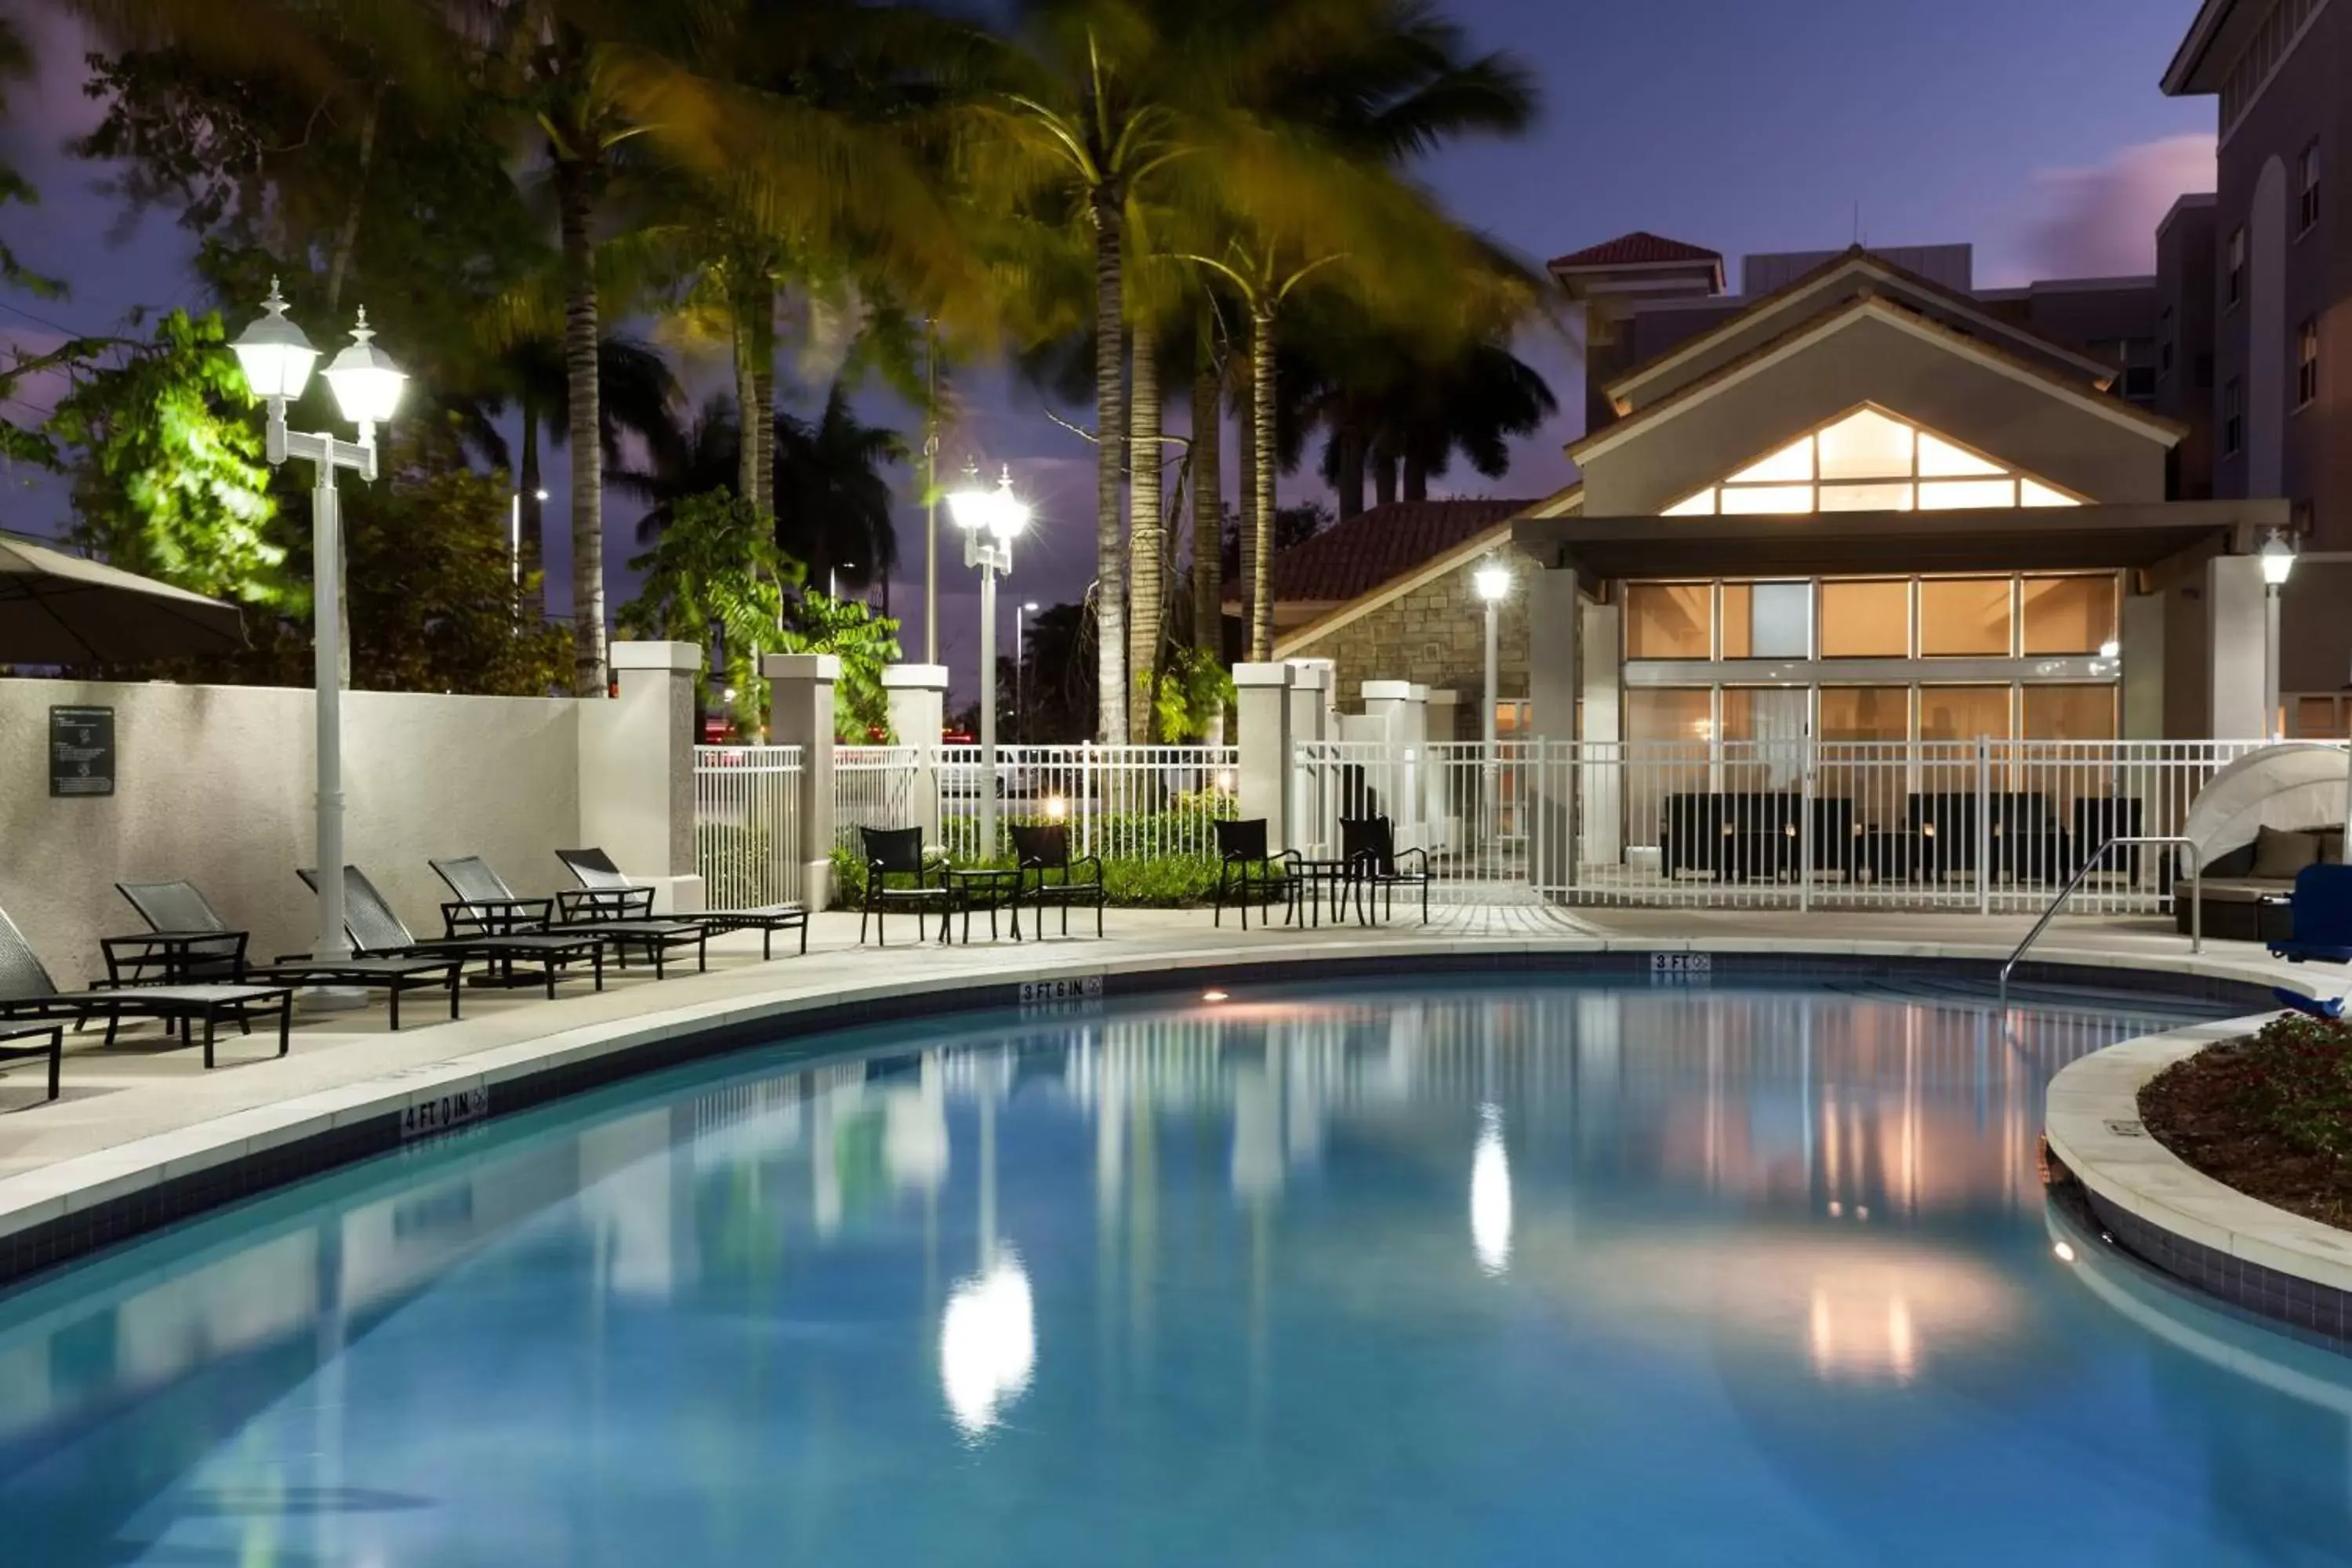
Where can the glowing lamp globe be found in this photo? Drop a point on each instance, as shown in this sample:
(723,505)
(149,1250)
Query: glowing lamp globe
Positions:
(365,382)
(1493,581)
(2278,559)
(273,353)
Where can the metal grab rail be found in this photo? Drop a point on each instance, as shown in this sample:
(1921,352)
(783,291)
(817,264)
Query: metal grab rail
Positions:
(2195,895)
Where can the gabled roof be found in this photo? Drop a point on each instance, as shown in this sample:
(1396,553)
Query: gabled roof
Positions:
(1873,267)
(1470,543)
(1639,249)
(1875,307)
(2182,76)
(1370,548)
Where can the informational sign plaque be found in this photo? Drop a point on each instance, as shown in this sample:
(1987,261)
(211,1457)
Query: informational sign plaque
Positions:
(81,751)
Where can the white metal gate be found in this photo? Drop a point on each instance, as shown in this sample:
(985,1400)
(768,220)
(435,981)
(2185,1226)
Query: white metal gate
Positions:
(746,839)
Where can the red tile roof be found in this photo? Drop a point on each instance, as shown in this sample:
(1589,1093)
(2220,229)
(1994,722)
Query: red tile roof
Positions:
(1638,249)
(1356,556)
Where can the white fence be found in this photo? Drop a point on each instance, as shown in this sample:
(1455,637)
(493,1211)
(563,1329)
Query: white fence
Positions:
(877,786)
(1991,826)
(1121,803)
(747,826)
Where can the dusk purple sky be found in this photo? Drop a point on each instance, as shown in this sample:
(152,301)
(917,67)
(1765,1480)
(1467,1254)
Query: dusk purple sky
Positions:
(2033,129)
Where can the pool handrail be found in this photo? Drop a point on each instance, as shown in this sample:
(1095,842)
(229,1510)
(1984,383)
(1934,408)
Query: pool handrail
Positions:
(2173,840)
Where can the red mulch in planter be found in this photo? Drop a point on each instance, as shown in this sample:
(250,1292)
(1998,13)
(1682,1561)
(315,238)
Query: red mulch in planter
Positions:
(2269,1115)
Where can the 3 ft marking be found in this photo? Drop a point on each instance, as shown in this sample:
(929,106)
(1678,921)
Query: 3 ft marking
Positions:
(1076,988)
(451,1110)
(1682,963)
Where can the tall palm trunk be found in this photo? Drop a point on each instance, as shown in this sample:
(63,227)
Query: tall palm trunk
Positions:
(1384,478)
(1416,480)
(747,402)
(576,197)
(1261,563)
(1245,477)
(1349,480)
(1111,453)
(1208,509)
(1144,539)
(762,430)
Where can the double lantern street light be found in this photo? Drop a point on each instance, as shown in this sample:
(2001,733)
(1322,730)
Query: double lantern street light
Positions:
(991,521)
(277,359)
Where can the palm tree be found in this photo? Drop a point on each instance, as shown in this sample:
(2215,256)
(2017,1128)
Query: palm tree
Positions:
(1402,416)
(1364,86)
(833,499)
(1094,103)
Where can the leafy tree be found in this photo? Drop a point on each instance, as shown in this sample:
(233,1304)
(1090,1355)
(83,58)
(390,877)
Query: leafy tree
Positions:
(168,473)
(16,65)
(715,575)
(866,643)
(434,606)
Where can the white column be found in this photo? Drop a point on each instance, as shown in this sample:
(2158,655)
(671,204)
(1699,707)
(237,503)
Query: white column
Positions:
(1602,649)
(2235,608)
(918,699)
(1555,681)
(1312,722)
(1261,715)
(637,770)
(2142,651)
(1440,728)
(800,697)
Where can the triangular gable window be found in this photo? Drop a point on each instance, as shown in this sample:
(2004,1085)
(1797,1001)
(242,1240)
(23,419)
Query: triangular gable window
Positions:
(1870,460)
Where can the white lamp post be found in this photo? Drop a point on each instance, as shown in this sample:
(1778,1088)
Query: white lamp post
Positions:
(1492,581)
(277,359)
(514,536)
(991,520)
(1021,668)
(2278,564)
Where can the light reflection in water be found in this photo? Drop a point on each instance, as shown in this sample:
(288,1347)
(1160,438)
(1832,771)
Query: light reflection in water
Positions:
(1490,1194)
(988,1344)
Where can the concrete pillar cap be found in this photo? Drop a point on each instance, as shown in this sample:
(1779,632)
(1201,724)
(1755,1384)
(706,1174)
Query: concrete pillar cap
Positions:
(914,677)
(1389,691)
(674,656)
(823,667)
(1251,675)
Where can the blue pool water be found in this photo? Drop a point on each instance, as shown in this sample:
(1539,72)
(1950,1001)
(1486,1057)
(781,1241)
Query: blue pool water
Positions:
(1419,1274)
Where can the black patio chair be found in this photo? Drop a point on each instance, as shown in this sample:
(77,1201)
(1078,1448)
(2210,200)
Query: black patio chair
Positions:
(900,852)
(28,992)
(1376,867)
(605,889)
(179,913)
(55,1034)
(485,904)
(1046,850)
(1246,871)
(375,932)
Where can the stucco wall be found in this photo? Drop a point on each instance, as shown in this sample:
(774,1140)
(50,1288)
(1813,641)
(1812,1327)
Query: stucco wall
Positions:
(2014,420)
(1435,635)
(214,785)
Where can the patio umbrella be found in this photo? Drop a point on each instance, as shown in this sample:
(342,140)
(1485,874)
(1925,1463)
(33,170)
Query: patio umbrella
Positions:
(56,608)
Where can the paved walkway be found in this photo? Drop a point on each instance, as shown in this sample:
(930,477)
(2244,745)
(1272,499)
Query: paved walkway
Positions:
(146,1091)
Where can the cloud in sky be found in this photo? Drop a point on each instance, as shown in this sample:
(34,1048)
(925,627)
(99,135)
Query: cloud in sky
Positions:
(2101,222)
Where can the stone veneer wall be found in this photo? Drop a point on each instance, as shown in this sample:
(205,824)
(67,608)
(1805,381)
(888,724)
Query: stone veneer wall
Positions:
(1435,635)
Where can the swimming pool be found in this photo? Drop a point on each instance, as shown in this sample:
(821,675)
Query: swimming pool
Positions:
(1423,1272)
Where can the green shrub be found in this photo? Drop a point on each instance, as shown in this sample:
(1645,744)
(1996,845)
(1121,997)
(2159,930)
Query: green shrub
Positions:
(1159,882)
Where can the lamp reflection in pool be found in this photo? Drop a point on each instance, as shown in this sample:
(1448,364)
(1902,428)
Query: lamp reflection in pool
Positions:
(988,1344)
(1490,1194)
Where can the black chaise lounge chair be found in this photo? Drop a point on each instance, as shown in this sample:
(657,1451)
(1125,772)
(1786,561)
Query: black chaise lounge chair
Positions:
(377,932)
(607,892)
(1041,852)
(197,944)
(26,991)
(54,1047)
(486,904)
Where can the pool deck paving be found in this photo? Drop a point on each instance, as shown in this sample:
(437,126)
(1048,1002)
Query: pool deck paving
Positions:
(146,1111)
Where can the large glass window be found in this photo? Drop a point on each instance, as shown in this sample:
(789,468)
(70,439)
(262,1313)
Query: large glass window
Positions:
(1870,460)
(1655,714)
(1963,713)
(2068,615)
(1866,618)
(1669,620)
(1768,620)
(1764,735)
(1964,615)
(1865,712)
(2070,713)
